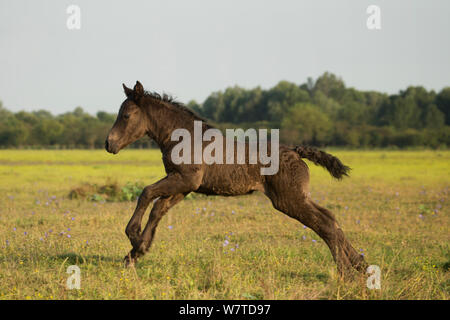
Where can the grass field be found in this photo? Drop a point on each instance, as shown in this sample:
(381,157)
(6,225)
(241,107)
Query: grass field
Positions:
(394,209)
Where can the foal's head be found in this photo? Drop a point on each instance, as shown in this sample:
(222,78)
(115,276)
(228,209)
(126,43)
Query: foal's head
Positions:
(131,122)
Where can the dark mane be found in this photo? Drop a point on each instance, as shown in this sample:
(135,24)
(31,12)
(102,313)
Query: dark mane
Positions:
(174,103)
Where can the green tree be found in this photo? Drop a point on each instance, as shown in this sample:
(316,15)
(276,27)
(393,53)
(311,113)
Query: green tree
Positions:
(330,85)
(443,103)
(105,117)
(282,97)
(47,132)
(13,133)
(304,123)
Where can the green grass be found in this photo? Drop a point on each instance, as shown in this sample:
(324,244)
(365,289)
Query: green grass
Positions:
(394,208)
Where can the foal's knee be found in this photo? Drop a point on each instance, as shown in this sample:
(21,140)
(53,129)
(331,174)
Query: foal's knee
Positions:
(131,230)
(146,194)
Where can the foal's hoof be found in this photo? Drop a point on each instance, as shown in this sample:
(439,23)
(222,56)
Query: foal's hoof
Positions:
(129,261)
(346,273)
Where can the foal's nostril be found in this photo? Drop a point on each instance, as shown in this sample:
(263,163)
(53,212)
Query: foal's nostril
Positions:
(106,145)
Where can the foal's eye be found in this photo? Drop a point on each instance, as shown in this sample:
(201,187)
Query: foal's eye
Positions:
(126,116)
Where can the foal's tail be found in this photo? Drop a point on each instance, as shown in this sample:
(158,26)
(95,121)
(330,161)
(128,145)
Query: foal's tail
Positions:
(334,166)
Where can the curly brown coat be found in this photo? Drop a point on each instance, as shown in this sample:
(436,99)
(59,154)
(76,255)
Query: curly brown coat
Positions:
(146,113)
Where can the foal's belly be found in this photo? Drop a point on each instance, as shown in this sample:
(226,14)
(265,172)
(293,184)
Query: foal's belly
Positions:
(231,180)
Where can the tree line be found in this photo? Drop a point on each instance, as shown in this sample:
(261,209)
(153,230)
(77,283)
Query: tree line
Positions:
(323,112)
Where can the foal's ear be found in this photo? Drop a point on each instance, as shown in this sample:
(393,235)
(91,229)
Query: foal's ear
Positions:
(128,91)
(138,90)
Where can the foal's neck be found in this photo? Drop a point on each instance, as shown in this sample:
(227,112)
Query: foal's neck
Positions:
(163,119)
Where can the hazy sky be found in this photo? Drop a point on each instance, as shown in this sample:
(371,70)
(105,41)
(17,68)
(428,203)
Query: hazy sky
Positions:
(192,48)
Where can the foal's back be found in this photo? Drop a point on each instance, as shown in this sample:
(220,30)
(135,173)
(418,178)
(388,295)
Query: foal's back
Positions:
(238,179)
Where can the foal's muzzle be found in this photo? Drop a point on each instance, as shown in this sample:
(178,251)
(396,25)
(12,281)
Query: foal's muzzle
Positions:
(110,147)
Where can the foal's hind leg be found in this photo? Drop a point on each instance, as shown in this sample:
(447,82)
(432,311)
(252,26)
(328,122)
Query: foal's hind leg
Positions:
(322,222)
(160,208)
(342,244)
(288,191)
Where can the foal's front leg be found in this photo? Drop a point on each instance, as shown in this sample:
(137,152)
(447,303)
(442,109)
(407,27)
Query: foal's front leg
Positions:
(133,228)
(160,208)
(173,184)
